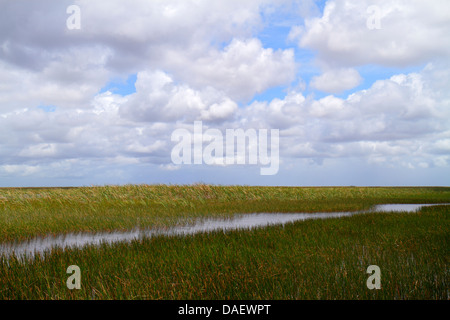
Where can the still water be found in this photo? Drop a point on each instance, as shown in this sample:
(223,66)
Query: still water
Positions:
(242,221)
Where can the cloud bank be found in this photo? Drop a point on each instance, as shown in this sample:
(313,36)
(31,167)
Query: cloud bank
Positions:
(211,61)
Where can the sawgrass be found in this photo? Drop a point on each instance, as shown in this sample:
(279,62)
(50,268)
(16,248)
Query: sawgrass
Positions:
(29,212)
(314,259)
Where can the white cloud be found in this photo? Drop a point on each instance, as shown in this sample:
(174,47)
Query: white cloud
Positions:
(411,32)
(39,150)
(66,82)
(21,170)
(330,107)
(336,80)
(159,99)
(218,111)
(62,67)
(205,64)
(396,118)
(242,69)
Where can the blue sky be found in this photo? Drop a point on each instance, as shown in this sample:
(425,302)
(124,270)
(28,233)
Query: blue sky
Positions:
(121,86)
(275,35)
(98,102)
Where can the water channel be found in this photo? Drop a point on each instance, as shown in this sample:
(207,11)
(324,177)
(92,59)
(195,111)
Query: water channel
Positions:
(40,245)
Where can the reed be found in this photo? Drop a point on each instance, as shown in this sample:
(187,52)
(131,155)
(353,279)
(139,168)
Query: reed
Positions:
(25,213)
(313,259)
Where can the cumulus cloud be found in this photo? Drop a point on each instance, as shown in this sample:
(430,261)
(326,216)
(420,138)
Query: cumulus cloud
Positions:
(411,32)
(394,118)
(205,60)
(159,99)
(65,67)
(336,80)
(242,69)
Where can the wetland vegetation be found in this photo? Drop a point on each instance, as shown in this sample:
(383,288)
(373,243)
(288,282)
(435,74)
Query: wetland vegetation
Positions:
(313,259)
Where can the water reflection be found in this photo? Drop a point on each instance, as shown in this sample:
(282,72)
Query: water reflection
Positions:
(242,221)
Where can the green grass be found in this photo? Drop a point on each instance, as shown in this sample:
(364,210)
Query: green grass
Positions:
(314,259)
(25,213)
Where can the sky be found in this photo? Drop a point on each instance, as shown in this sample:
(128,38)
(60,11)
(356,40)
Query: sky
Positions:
(92,91)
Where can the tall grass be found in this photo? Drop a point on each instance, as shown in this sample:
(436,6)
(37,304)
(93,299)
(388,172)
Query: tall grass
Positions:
(314,259)
(25,213)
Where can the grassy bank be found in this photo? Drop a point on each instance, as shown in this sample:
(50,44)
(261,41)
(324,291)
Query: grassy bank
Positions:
(315,259)
(25,213)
